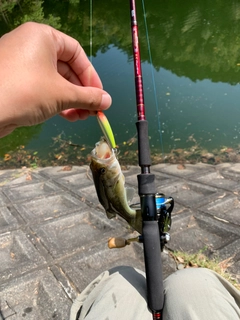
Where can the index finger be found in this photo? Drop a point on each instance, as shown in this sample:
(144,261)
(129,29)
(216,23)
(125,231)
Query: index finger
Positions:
(70,51)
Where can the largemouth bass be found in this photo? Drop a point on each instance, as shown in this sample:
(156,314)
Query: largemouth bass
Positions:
(110,185)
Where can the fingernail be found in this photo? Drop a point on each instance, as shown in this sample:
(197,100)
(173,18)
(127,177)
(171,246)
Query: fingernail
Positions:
(106,101)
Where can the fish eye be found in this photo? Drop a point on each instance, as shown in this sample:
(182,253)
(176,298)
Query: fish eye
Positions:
(102,170)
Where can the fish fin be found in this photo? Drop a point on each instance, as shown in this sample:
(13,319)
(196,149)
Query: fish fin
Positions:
(136,222)
(130,193)
(110,214)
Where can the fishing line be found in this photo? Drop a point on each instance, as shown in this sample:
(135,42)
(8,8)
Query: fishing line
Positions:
(90,29)
(153,77)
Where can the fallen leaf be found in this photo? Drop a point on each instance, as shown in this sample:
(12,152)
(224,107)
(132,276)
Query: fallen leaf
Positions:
(226,263)
(12,254)
(28,177)
(7,157)
(180,259)
(181,167)
(67,168)
(192,264)
(192,222)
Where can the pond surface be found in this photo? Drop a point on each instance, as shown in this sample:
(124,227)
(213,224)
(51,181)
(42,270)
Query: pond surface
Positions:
(191,80)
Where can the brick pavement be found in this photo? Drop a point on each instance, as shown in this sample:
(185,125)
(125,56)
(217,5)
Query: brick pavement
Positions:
(53,232)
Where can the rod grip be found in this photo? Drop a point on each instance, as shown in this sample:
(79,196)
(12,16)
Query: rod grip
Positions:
(143,143)
(153,265)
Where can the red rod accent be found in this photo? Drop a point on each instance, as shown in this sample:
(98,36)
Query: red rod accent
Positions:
(157,315)
(137,64)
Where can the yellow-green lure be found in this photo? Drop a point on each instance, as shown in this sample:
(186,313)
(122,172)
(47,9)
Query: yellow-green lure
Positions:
(106,129)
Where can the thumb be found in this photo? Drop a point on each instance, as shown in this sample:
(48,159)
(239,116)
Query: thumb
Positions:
(79,97)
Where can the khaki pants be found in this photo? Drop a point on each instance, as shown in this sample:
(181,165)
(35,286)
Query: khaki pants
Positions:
(190,294)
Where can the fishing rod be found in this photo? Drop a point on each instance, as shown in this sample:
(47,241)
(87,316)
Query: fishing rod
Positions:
(156,210)
(156,218)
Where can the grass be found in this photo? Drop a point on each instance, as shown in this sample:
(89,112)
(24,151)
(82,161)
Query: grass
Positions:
(200,260)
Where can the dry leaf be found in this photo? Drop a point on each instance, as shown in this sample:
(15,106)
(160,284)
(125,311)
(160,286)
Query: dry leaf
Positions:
(7,157)
(181,167)
(29,177)
(67,168)
(226,263)
(180,259)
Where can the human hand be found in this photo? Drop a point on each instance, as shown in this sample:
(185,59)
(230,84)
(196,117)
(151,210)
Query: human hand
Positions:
(43,73)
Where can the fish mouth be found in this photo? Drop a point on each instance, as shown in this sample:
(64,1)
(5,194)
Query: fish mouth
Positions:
(102,151)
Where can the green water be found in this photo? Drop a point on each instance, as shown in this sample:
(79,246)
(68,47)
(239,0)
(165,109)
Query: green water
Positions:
(195,48)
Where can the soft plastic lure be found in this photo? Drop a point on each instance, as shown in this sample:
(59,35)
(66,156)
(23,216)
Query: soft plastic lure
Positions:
(106,129)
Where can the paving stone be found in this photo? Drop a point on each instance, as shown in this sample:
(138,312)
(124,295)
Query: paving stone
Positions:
(162,180)
(73,232)
(229,167)
(30,191)
(74,182)
(59,172)
(49,207)
(3,199)
(7,220)
(19,176)
(230,251)
(230,171)
(216,179)
(226,208)
(176,170)
(178,208)
(18,255)
(189,193)
(34,296)
(8,175)
(184,220)
(234,270)
(89,194)
(66,283)
(192,232)
(215,223)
